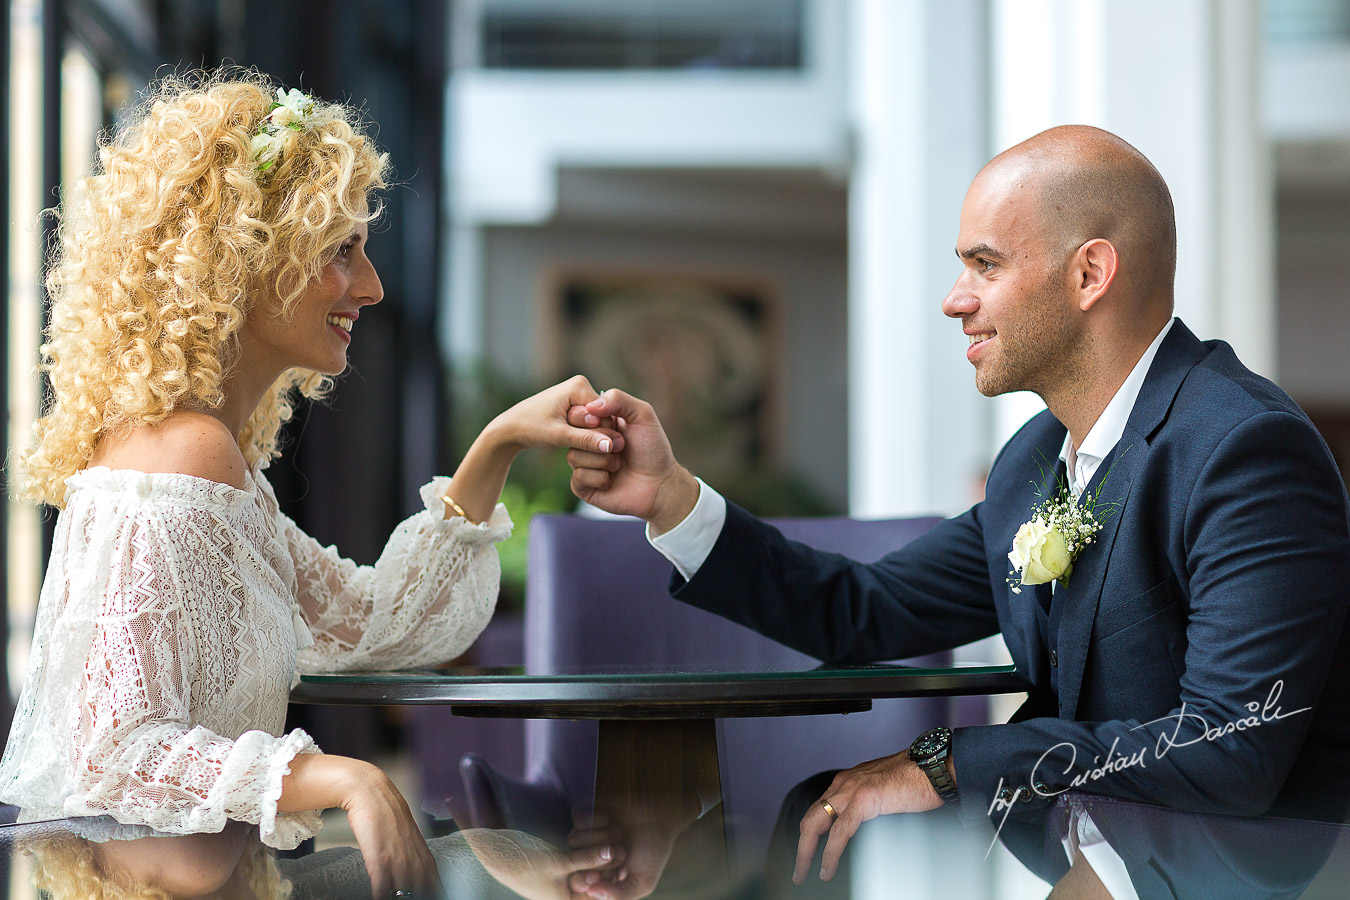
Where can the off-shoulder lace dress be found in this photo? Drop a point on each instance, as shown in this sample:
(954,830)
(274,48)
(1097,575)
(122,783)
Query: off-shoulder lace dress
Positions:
(176,615)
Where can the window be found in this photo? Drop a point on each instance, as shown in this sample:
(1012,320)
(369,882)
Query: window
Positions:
(640,34)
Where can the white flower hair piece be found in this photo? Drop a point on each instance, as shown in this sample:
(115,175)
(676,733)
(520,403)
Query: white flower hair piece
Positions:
(290,112)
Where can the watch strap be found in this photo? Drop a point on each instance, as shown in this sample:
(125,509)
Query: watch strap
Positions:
(929,751)
(936,770)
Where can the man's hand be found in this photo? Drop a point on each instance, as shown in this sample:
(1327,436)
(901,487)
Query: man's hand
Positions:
(532,868)
(542,421)
(892,784)
(644,836)
(643,480)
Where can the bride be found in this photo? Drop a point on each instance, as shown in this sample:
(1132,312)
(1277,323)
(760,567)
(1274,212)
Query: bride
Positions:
(212,269)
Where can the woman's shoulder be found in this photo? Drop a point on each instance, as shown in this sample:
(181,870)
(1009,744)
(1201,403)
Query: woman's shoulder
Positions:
(186,443)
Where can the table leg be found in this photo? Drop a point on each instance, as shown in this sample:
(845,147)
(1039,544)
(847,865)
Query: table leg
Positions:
(660,775)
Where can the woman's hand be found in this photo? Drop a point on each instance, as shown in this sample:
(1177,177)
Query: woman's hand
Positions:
(395,853)
(538,421)
(541,421)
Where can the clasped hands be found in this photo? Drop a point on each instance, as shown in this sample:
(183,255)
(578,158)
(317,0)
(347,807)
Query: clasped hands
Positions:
(642,478)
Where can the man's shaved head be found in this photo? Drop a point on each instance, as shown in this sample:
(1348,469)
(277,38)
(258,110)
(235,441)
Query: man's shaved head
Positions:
(1088,184)
(1069,245)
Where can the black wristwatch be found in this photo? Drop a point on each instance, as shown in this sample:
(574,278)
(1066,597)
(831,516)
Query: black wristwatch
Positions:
(929,751)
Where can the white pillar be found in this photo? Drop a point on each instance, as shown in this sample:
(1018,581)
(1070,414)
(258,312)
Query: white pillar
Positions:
(1178,79)
(462,331)
(918,85)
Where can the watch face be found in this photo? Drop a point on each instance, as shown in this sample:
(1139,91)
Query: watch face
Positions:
(930,743)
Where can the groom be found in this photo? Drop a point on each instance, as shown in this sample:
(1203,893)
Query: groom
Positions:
(1200,639)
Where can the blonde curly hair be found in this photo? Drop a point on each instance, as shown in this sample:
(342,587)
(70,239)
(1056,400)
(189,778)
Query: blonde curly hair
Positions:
(163,251)
(64,868)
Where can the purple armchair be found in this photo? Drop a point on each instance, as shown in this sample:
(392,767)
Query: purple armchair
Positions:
(597,593)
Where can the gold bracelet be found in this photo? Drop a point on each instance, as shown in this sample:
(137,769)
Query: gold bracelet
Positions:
(459,510)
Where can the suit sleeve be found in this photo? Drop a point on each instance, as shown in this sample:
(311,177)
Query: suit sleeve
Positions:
(932,594)
(1267,562)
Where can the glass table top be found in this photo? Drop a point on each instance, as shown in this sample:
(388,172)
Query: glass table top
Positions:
(621,674)
(654,692)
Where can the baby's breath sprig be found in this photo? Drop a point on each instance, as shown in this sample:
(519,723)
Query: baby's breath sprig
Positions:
(290,112)
(1045,547)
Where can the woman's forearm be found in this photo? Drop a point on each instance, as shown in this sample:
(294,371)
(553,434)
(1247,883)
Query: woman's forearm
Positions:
(322,781)
(478,482)
(392,847)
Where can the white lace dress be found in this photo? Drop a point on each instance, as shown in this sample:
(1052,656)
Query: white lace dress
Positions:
(176,616)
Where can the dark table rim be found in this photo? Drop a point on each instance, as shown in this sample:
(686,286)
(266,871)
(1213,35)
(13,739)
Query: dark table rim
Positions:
(683,695)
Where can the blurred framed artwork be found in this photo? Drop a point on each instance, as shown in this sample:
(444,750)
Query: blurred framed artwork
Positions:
(703,348)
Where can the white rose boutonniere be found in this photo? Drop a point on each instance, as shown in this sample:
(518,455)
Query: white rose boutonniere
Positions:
(1046,546)
(1040,553)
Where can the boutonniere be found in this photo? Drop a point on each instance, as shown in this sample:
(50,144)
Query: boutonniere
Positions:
(1046,546)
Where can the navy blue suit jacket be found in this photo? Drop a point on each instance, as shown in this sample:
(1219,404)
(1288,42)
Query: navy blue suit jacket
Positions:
(1222,576)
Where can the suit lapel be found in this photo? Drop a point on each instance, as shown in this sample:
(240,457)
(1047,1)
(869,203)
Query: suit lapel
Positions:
(1024,605)
(1049,489)
(1177,355)
(1111,486)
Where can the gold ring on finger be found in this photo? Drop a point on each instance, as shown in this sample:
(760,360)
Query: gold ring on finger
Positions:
(829,810)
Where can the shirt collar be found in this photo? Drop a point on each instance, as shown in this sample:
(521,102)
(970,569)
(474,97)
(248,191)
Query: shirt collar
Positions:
(1110,425)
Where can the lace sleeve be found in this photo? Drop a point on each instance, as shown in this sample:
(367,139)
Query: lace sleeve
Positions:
(426,599)
(136,754)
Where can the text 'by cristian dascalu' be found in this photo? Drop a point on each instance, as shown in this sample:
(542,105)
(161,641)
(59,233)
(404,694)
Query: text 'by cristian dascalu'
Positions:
(1170,738)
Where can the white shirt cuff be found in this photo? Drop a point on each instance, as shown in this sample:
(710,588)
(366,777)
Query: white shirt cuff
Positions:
(1084,838)
(688,544)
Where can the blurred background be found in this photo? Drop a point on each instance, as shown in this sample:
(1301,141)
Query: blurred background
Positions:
(742,210)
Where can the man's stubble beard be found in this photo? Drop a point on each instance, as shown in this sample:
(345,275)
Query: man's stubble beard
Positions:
(1039,357)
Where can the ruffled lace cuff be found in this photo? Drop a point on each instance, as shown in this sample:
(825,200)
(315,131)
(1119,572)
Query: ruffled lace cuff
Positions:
(496,528)
(285,831)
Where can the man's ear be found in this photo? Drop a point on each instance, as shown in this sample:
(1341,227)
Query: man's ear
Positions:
(1094,267)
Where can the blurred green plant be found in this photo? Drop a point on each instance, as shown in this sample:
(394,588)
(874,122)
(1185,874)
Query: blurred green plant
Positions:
(526,498)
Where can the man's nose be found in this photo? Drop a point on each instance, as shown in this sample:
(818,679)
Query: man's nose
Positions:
(959,302)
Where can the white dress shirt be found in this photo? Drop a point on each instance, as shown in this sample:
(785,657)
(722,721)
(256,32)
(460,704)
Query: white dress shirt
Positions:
(1102,437)
(688,544)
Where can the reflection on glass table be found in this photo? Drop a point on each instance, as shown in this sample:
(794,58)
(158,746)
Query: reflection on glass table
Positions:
(1166,853)
(79,859)
(659,773)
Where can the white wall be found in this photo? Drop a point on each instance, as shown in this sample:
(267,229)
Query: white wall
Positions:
(1181,81)
(512,131)
(918,95)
